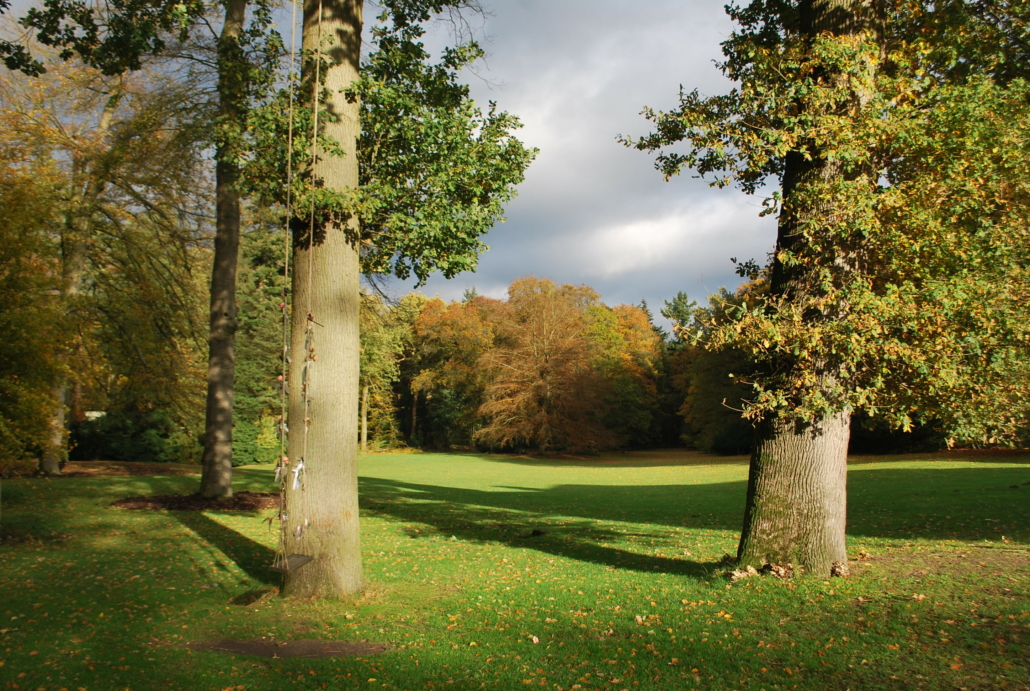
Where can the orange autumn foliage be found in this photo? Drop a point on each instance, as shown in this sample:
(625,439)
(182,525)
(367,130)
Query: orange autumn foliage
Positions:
(544,392)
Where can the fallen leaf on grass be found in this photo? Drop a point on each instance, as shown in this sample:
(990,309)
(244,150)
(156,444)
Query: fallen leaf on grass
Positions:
(741,574)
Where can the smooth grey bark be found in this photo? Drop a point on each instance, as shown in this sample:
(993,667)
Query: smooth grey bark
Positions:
(323,382)
(797,487)
(216,479)
(76,236)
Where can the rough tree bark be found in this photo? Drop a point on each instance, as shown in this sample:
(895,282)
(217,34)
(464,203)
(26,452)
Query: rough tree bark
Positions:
(797,487)
(323,513)
(797,496)
(216,480)
(78,230)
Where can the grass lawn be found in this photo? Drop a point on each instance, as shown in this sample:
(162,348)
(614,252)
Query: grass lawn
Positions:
(623,591)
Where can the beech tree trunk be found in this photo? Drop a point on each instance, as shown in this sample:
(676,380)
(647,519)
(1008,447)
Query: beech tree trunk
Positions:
(797,487)
(75,239)
(323,380)
(216,480)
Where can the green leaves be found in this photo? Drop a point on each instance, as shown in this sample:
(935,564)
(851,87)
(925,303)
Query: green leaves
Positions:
(907,254)
(114,39)
(435,170)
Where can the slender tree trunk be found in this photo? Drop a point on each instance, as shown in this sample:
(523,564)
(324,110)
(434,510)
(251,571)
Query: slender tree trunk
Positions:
(216,480)
(414,414)
(56,449)
(364,419)
(78,232)
(797,487)
(324,386)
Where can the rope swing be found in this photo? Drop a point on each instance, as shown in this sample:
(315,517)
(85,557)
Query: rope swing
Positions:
(283,563)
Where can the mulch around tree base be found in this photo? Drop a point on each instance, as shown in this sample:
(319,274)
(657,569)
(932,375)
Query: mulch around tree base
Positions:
(303,649)
(241,501)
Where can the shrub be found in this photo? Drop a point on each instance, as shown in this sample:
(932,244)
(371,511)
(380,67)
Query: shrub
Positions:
(150,437)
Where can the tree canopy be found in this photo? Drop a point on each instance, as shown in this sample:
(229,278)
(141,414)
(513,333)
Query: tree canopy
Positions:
(435,171)
(929,319)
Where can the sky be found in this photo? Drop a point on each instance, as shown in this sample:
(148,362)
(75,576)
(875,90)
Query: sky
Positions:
(578,73)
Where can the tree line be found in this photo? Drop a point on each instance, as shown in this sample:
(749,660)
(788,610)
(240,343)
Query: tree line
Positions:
(114,218)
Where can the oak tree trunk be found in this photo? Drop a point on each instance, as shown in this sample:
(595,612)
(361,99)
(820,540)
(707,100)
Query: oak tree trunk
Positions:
(323,379)
(216,480)
(797,496)
(797,487)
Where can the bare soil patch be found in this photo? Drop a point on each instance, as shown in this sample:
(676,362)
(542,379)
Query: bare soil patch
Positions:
(241,501)
(287,649)
(122,469)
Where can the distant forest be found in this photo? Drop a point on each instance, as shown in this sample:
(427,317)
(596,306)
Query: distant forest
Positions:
(550,369)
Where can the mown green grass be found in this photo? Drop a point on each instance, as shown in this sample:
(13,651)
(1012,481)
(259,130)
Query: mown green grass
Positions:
(623,592)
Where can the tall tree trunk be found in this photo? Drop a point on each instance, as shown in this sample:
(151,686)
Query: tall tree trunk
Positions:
(797,487)
(78,232)
(414,415)
(364,419)
(56,449)
(216,480)
(323,413)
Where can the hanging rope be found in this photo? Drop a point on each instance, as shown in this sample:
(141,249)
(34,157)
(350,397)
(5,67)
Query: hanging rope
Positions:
(309,324)
(282,562)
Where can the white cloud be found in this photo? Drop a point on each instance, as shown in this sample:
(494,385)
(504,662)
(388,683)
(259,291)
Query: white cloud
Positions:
(675,242)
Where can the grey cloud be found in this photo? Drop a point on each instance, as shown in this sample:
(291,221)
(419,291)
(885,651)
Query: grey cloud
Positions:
(591,211)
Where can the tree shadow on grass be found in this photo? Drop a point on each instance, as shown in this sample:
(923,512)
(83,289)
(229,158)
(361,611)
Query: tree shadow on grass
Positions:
(465,514)
(934,503)
(647,458)
(253,557)
(710,506)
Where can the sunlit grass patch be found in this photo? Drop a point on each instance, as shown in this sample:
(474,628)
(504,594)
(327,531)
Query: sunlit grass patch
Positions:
(498,572)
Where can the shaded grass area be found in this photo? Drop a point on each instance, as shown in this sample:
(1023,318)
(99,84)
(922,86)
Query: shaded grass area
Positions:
(610,564)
